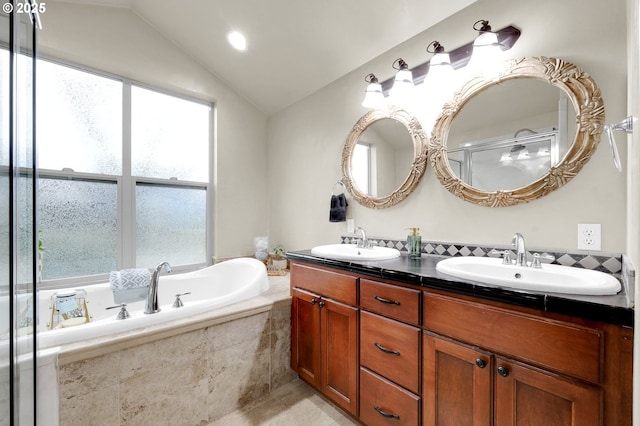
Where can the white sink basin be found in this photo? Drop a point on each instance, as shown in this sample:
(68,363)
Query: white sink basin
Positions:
(550,278)
(352,252)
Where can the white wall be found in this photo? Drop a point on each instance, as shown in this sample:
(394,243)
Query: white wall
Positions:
(306,140)
(117,41)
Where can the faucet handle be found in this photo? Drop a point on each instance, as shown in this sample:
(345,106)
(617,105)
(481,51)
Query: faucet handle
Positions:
(178,302)
(123,314)
(536,263)
(504,254)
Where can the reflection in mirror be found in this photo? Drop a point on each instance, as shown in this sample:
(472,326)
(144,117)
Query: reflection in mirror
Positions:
(384,157)
(498,142)
(515,138)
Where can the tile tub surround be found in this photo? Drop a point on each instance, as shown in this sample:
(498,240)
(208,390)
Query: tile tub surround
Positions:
(191,374)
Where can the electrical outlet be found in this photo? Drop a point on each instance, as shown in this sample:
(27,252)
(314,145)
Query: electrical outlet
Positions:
(589,236)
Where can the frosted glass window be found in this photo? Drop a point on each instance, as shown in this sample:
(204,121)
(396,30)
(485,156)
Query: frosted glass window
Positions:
(24,118)
(169,136)
(79,120)
(78,226)
(130,151)
(23,222)
(170,225)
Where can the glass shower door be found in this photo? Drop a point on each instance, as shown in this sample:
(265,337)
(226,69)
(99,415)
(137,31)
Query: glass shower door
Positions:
(18,239)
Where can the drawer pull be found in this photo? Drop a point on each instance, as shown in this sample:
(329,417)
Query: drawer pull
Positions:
(385,350)
(385,414)
(503,371)
(481,363)
(387,301)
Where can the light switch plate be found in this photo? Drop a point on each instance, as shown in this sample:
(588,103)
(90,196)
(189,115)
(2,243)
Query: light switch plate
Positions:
(350,226)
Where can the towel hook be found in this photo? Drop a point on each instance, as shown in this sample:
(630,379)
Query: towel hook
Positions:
(334,187)
(626,126)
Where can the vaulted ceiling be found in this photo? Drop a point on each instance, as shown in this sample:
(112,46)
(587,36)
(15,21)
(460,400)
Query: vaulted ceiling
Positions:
(295,47)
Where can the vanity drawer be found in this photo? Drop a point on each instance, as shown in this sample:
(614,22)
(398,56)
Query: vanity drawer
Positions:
(392,301)
(390,348)
(333,285)
(561,346)
(381,401)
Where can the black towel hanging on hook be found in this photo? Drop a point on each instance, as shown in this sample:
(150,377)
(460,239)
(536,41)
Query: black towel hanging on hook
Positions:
(338,206)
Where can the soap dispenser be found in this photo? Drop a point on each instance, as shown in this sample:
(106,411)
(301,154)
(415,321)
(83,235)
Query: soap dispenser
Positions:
(414,243)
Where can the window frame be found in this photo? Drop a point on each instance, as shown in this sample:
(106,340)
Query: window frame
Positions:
(126,183)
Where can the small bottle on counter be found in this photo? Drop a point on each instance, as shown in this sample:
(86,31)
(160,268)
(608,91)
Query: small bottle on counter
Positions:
(414,243)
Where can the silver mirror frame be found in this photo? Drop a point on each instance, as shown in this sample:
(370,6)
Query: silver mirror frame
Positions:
(416,171)
(589,107)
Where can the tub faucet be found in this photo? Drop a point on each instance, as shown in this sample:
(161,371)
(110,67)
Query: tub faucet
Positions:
(521,252)
(365,242)
(152,307)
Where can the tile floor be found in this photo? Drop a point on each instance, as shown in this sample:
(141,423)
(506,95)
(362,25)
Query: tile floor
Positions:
(293,404)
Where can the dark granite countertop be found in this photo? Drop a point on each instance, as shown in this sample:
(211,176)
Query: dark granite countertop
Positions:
(422,272)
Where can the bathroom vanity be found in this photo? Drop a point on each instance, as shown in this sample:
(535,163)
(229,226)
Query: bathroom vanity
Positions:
(395,342)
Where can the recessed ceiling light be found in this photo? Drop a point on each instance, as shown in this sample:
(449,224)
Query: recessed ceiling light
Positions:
(237,40)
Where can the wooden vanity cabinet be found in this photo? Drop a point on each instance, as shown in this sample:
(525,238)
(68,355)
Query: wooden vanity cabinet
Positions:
(459,383)
(392,354)
(324,333)
(488,365)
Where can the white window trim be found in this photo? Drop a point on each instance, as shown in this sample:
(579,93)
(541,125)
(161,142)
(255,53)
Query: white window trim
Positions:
(126,184)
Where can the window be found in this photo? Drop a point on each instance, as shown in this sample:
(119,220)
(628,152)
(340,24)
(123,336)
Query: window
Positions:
(124,175)
(361,167)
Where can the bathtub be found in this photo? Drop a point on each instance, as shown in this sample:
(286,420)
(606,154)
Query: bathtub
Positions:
(210,288)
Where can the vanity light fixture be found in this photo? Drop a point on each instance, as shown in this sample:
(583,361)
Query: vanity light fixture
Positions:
(373,97)
(486,47)
(403,81)
(460,57)
(440,65)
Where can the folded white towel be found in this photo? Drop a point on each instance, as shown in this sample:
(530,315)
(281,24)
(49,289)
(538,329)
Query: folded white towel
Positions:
(129,278)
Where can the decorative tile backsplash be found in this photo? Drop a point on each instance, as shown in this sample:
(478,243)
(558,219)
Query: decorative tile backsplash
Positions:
(600,261)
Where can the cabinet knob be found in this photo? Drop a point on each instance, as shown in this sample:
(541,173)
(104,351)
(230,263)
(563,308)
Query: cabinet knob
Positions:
(321,304)
(313,301)
(385,414)
(503,371)
(481,363)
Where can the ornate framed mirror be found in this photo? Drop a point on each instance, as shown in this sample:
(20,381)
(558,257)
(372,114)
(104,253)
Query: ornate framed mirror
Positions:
(516,137)
(384,157)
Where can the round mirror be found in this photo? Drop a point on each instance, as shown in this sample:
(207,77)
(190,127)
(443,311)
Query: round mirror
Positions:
(384,157)
(515,138)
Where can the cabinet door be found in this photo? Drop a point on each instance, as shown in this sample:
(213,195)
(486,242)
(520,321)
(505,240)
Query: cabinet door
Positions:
(305,336)
(527,396)
(339,343)
(456,383)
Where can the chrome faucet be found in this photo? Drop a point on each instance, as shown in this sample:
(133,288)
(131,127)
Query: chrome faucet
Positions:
(521,252)
(365,242)
(152,306)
